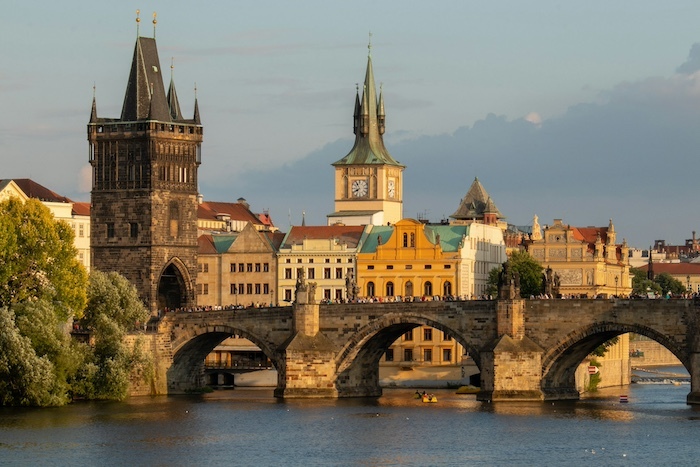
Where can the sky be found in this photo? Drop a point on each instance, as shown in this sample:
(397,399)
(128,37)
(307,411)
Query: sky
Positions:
(581,111)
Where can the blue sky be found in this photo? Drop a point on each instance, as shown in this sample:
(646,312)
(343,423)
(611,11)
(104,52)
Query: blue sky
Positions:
(584,111)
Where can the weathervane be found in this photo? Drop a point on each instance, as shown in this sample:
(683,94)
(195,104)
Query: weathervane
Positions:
(138,21)
(154,24)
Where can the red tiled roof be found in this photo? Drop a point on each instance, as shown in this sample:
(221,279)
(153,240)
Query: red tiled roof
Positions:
(275,238)
(205,245)
(349,234)
(266,219)
(590,234)
(33,190)
(81,209)
(237,211)
(675,269)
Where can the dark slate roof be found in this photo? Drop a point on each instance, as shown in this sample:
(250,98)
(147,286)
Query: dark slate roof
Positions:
(476,203)
(145,97)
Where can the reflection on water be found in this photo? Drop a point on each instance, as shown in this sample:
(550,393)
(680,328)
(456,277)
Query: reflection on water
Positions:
(250,427)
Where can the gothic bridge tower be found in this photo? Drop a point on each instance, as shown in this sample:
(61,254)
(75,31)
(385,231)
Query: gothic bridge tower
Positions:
(368,181)
(144,186)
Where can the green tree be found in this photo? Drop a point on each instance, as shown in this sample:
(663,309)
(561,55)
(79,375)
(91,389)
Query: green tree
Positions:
(669,284)
(38,259)
(528,269)
(113,309)
(641,285)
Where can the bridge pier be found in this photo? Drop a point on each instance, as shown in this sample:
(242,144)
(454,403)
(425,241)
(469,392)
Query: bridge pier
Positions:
(511,368)
(693,397)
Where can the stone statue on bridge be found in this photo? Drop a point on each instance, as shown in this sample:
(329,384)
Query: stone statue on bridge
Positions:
(351,288)
(305,292)
(508,283)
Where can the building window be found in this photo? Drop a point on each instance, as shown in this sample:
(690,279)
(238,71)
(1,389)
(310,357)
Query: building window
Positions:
(408,335)
(389,289)
(266,267)
(257,267)
(266,289)
(390,266)
(447,288)
(249,267)
(389,355)
(326,273)
(446,337)
(428,266)
(249,289)
(240,267)
(370,267)
(233,289)
(287,295)
(407,355)
(338,273)
(233,267)
(312,273)
(298,260)
(405,240)
(110,229)
(370,289)
(427,355)
(428,334)
(287,273)
(327,294)
(338,260)
(240,289)
(409,266)
(447,355)
(328,260)
(288,260)
(133,229)
(428,289)
(338,294)
(409,289)
(413,240)
(448,266)
(206,267)
(81,230)
(205,289)
(258,288)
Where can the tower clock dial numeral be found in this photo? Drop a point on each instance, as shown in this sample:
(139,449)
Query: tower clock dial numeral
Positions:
(391,189)
(359,188)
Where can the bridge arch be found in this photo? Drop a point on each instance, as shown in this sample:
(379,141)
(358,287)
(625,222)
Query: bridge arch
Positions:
(358,360)
(559,364)
(192,347)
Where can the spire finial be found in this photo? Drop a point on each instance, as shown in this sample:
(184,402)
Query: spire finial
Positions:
(138,22)
(94,88)
(195,90)
(357,87)
(369,45)
(172,66)
(155,21)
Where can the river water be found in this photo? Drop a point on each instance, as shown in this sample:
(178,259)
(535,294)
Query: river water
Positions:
(250,427)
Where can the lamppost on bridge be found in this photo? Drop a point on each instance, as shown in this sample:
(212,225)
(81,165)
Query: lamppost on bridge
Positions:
(272,298)
(687,279)
(616,279)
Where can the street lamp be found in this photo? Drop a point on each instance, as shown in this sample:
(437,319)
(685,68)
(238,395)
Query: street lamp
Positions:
(616,279)
(687,278)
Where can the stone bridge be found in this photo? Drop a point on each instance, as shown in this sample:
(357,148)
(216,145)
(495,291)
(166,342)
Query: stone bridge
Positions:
(525,349)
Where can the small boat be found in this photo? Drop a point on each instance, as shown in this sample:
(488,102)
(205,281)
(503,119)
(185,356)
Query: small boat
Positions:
(429,398)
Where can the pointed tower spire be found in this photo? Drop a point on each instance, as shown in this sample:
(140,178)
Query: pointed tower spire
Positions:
(380,111)
(369,145)
(145,93)
(358,110)
(173,104)
(93,114)
(476,204)
(303,218)
(196,107)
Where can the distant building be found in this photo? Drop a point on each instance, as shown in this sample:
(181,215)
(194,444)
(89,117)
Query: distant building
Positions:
(687,274)
(75,214)
(584,261)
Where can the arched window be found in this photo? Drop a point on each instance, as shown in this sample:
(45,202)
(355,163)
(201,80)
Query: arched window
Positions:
(409,289)
(428,289)
(389,289)
(447,288)
(413,240)
(405,240)
(370,289)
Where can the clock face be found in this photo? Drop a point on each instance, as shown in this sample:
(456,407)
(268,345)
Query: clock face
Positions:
(359,188)
(391,189)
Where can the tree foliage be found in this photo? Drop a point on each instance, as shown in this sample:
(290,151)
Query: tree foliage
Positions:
(669,284)
(662,284)
(38,259)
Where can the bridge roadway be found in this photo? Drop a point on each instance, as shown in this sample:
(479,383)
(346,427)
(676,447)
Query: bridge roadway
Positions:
(525,349)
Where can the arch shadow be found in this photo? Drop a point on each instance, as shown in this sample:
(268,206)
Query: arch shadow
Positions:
(187,370)
(560,363)
(358,361)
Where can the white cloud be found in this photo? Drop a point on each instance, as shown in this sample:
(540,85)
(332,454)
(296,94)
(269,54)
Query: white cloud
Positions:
(534,118)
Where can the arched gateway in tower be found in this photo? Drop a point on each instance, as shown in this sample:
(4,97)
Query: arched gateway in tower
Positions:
(144,187)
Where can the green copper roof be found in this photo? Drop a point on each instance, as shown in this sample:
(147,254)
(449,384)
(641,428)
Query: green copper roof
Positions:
(371,240)
(450,235)
(223,242)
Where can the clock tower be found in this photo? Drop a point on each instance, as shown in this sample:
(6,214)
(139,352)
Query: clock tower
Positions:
(368,181)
